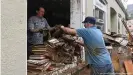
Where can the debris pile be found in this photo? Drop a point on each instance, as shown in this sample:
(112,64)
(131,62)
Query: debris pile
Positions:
(60,48)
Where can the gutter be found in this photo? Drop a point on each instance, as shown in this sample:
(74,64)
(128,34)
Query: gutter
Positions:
(123,8)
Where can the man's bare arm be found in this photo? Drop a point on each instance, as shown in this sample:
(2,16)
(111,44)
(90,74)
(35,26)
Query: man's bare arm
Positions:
(73,32)
(69,30)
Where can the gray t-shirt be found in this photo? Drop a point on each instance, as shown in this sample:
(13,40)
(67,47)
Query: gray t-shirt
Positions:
(36,22)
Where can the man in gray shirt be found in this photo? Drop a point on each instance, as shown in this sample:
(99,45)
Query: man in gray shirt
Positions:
(35,27)
(36,24)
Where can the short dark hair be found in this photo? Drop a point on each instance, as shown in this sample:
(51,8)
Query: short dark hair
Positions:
(38,8)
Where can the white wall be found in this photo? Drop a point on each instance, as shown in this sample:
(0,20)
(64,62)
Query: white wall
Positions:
(113,4)
(13,37)
(124,3)
(89,8)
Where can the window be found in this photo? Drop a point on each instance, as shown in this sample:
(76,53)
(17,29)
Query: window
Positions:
(96,13)
(57,11)
(100,16)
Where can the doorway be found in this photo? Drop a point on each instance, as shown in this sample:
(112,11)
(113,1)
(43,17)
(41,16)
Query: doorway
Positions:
(113,21)
(56,11)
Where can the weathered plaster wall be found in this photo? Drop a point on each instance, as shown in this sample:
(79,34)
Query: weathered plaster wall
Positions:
(13,37)
(0,39)
(79,10)
(75,11)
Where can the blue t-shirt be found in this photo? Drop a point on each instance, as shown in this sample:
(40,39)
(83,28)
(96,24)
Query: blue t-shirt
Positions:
(95,49)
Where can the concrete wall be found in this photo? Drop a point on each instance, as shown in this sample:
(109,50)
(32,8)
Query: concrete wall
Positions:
(13,37)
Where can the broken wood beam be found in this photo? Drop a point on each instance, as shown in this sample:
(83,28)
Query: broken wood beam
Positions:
(129,67)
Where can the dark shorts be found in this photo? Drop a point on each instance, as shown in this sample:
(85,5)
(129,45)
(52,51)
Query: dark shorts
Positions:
(105,70)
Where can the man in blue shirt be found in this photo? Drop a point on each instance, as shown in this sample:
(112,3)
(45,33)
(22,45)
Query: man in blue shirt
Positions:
(96,53)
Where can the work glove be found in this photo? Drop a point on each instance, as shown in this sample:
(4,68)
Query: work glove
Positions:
(52,29)
(41,31)
(62,27)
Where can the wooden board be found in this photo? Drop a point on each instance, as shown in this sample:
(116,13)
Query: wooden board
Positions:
(129,67)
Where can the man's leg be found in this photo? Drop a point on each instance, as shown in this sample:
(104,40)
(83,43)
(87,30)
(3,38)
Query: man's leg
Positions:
(110,69)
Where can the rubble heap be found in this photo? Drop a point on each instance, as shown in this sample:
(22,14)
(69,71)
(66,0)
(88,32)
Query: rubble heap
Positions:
(60,48)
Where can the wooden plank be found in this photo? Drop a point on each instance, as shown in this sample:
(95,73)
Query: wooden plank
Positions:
(116,65)
(125,25)
(129,67)
(115,60)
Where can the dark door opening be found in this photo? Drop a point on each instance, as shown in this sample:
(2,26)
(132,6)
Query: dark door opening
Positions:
(56,11)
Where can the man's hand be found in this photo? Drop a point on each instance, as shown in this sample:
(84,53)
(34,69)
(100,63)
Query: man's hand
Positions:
(79,42)
(35,30)
(41,30)
(52,29)
(62,27)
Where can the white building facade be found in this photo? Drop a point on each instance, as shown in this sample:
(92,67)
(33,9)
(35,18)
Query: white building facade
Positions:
(108,13)
(14,27)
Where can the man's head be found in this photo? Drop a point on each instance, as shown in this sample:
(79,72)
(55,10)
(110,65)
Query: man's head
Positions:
(89,21)
(40,11)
